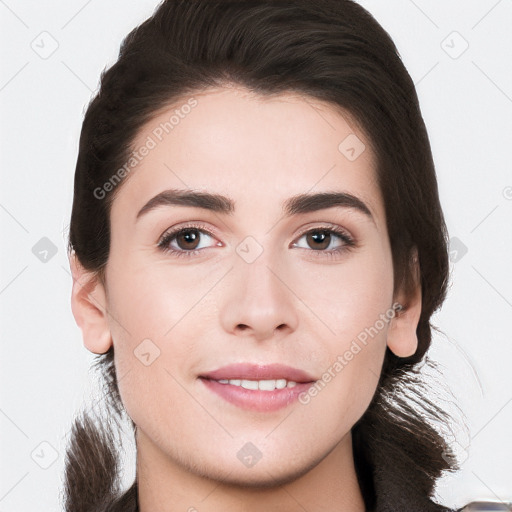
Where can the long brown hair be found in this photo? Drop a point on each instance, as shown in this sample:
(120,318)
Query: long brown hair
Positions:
(332,50)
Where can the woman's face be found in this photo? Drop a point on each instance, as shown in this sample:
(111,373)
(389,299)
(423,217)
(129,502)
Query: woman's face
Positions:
(265,275)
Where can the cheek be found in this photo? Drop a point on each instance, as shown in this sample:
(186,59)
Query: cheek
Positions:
(349,379)
(151,300)
(154,329)
(348,297)
(155,341)
(353,302)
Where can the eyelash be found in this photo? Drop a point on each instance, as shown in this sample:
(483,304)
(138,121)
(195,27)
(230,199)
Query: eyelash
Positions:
(163,244)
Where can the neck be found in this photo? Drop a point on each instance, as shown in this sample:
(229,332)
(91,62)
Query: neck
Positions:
(164,485)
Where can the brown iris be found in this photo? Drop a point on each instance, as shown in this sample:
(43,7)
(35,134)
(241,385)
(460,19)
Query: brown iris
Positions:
(189,236)
(322,237)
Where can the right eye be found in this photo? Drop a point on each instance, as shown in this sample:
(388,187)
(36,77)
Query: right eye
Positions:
(184,241)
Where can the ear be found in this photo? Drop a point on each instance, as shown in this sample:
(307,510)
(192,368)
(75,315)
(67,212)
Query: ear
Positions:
(402,337)
(88,303)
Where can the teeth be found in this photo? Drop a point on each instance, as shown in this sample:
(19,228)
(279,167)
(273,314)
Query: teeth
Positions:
(250,384)
(267,385)
(263,385)
(280,383)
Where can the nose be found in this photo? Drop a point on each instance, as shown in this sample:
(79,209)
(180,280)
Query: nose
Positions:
(259,301)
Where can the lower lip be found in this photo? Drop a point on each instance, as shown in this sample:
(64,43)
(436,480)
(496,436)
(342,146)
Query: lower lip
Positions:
(257,400)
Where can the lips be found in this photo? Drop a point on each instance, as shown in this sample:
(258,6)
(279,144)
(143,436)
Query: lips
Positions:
(248,371)
(262,388)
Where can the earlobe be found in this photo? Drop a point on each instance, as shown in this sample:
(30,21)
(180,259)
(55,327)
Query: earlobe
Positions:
(402,337)
(88,304)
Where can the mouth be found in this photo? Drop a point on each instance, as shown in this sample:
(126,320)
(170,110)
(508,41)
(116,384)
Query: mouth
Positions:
(263,388)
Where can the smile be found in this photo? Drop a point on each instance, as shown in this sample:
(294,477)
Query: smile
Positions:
(262,388)
(263,385)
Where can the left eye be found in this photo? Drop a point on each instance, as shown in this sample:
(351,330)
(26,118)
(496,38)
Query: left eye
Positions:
(322,238)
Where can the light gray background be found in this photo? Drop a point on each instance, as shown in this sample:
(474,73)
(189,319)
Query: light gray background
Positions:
(466,99)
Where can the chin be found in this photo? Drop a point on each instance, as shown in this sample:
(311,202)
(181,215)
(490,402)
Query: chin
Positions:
(263,475)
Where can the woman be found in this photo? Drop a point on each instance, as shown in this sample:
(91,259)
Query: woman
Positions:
(257,247)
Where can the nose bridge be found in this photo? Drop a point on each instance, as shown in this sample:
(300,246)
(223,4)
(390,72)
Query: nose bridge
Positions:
(260,276)
(257,300)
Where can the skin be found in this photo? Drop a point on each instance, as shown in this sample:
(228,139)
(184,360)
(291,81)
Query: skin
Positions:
(214,308)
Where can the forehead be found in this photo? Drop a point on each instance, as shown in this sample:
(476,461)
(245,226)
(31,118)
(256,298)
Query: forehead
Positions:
(257,149)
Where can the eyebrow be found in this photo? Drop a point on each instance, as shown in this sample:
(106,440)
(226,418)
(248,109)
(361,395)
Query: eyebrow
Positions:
(302,203)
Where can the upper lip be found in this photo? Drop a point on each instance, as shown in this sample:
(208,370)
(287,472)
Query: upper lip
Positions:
(252,371)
